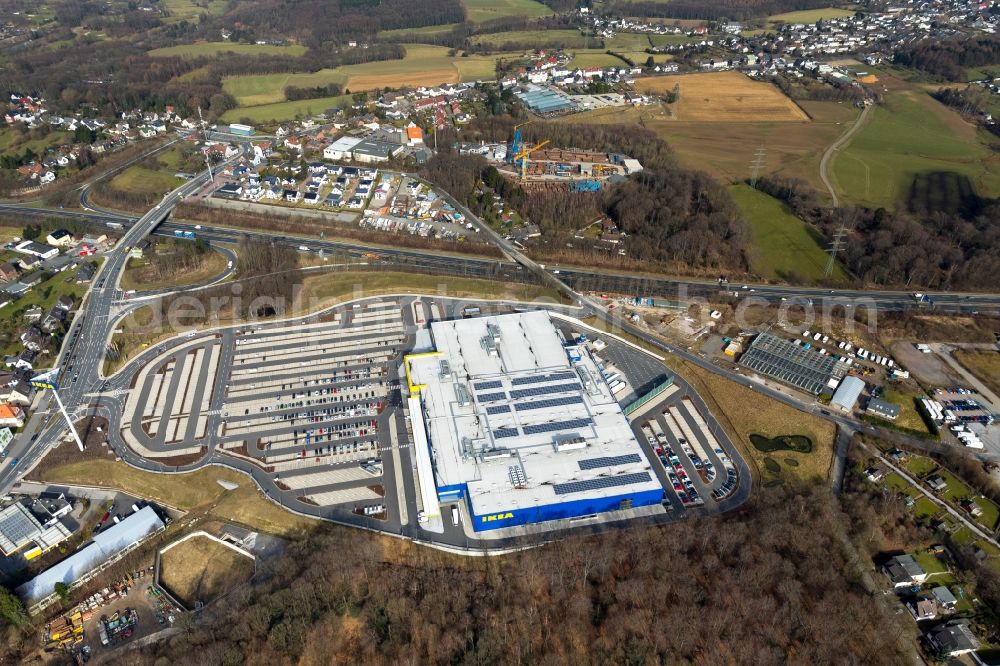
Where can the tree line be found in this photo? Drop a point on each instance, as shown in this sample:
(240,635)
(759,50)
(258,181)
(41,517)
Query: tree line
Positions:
(949,59)
(959,249)
(774,583)
(673,216)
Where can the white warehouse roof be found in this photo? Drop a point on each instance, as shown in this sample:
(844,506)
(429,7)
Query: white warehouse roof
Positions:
(511,418)
(104,546)
(848,392)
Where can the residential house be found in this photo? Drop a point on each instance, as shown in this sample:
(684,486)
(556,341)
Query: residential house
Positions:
(904,571)
(86,273)
(11,415)
(923,609)
(34,338)
(18,393)
(293,196)
(53,320)
(34,313)
(874,474)
(944,598)
(936,483)
(952,639)
(8,272)
(59,238)
(26,359)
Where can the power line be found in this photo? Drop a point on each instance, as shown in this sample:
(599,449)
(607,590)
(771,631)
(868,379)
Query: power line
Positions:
(835,246)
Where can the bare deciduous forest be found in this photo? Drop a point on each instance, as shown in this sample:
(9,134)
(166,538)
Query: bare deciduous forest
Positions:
(772,584)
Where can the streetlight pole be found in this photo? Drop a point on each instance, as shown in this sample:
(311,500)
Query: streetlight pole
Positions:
(43,382)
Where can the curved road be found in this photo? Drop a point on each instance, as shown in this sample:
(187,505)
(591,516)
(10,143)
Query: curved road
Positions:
(824,164)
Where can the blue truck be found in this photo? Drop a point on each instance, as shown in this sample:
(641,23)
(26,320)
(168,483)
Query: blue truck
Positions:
(183,234)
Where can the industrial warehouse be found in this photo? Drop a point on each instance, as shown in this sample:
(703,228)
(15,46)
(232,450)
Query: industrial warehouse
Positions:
(521,425)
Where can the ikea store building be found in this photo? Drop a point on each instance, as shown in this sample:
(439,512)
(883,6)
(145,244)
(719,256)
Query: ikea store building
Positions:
(521,426)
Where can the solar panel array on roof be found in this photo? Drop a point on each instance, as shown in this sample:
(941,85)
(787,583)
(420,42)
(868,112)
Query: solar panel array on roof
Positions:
(493,410)
(549,402)
(609,461)
(517,394)
(491,397)
(790,363)
(554,426)
(538,379)
(603,482)
(504,432)
(489,384)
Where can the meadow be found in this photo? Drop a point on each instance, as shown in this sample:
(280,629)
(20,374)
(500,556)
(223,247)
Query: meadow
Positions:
(423,65)
(726,150)
(810,15)
(549,39)
(724,97)
(785,247)
(910,136)
(486,10)
(215,48)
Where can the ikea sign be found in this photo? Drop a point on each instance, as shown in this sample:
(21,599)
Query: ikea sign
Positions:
(496,516)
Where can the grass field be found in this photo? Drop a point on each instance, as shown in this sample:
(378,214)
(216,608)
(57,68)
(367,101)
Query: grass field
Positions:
(920,466)
(551,39)
(282,111)
(215,48)
(423,65)
(337,287)
(726,150)
(628,41)
(985,365)
(908,417)
(728,401)
(724,97)
(187,10)
(201,569)
(13,142)
(416,33)
(196,491)
(810,15)
(137,276)
(669,40)
(594,58)
(785,246)
(485,10)
(142,180)
(913,135)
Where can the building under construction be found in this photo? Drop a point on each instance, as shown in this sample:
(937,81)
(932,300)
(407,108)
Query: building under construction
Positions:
(540,165)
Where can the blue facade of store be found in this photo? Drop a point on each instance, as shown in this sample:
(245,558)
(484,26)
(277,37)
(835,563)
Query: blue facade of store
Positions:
(562,510)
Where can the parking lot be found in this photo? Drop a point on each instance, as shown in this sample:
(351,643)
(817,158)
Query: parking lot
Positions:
(693,465)
(310,402)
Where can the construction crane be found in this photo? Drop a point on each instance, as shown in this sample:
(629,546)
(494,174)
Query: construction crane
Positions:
(521,159)
(518,144)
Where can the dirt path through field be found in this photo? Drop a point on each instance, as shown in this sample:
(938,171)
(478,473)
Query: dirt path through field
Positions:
(824,164)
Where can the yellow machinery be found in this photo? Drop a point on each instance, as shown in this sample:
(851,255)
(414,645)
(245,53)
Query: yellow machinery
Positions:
(521,159)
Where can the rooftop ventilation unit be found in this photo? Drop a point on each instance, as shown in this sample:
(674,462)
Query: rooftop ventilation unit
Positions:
(444,369)
(493,331)
(462,395)
(574,443)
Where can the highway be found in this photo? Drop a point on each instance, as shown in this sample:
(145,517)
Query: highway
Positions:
(574,277)
(83,352)
(82,355)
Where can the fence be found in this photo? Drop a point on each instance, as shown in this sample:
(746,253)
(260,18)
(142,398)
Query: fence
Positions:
(650,395)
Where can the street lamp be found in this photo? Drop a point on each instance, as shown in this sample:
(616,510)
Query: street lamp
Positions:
(46,381)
